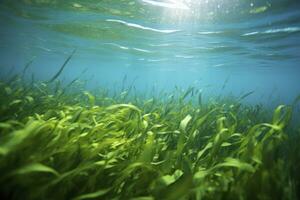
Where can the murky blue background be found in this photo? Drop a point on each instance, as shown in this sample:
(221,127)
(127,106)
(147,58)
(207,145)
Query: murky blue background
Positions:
(248,45)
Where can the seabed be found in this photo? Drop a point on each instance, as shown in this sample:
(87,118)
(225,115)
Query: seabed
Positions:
(61,142)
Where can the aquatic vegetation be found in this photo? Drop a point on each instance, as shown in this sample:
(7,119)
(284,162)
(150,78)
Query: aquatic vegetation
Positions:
(62,67)
(62,142)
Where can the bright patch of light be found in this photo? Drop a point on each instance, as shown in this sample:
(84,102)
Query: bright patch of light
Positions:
(176,4)
(174,11)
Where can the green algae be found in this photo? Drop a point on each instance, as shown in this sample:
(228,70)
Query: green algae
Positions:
(61,142)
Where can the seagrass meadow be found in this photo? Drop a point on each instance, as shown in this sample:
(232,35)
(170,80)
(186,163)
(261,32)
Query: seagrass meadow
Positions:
(62,142)
(149,100)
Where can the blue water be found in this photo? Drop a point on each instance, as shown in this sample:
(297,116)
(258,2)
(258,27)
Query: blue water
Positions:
(224,47)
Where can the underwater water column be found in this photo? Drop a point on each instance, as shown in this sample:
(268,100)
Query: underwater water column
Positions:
(149,99)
